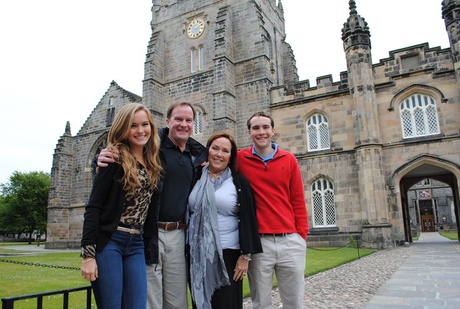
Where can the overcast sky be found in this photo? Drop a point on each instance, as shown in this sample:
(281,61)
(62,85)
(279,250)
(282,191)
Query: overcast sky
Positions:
(58,57)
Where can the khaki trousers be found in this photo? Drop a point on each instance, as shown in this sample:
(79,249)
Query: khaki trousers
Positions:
(285,257)
(167,280)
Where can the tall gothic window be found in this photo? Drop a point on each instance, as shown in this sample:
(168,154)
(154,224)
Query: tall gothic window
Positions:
(110,113)
(198,125)
(318,133)
(194,60)
(322,193)
(419,116)
(197,59)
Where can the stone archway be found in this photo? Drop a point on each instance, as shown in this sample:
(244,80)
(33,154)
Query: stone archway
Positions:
(422,167)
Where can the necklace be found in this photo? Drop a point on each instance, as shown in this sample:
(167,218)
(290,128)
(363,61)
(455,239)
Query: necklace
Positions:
(214,176)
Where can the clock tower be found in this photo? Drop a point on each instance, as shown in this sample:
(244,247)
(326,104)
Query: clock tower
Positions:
(223,56)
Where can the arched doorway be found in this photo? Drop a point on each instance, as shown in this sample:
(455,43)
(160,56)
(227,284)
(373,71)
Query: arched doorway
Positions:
(430,206)
(414,183)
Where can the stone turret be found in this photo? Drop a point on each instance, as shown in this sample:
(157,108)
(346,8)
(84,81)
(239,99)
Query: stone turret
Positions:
(357,47)
(451,16)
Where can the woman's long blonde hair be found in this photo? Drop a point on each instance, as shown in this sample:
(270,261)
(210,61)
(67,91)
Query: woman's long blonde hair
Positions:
(118,137)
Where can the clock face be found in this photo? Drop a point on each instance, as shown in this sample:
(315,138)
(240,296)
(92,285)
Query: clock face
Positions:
(195,28)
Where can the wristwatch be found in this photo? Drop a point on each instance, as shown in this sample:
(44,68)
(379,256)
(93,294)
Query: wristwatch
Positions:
(247,256)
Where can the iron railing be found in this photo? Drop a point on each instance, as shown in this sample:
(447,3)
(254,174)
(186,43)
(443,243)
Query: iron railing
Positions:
(8,302)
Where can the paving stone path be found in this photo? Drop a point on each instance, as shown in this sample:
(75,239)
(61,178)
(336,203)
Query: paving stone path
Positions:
(348,286)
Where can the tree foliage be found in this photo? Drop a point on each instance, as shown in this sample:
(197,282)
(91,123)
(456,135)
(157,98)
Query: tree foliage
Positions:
(23,204)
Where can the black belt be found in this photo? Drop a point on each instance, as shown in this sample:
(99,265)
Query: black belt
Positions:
(171,226)
(275,235)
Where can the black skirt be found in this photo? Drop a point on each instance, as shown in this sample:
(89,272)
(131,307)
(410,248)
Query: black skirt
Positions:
(229,296)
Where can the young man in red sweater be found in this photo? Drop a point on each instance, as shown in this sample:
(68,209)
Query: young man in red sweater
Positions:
(275,177)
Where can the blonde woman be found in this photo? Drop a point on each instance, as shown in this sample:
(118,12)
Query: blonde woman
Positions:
(122,202)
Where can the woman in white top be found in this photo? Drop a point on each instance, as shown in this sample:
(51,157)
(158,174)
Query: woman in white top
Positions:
(222,232)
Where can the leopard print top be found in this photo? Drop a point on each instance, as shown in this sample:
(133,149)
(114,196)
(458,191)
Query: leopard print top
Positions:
(134,211)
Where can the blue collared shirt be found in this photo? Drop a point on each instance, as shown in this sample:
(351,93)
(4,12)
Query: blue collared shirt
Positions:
(269,157)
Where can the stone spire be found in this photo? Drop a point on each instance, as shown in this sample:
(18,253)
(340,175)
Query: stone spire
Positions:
(355,31)
(357,48)
(67,129)
(280,5)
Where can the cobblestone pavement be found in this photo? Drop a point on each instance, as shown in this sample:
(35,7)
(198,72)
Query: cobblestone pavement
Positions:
(348,286)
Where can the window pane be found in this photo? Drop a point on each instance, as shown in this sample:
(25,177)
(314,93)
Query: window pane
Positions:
(201,57)
(324,135)
(312,138)
(330,207)
(198,125)
(432,120)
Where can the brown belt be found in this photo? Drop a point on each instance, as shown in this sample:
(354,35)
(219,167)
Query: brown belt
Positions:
(171,226)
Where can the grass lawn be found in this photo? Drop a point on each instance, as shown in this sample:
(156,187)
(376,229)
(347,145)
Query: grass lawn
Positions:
(452,235)
(14,243)
(23,278)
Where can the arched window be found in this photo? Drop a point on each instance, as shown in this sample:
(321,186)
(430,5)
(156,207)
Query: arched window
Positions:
(419,116)
(197,59)
(323,204)
(198,125)
(194,60)
(318,133)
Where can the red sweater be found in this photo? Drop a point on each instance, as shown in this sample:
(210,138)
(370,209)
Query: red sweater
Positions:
(278,189)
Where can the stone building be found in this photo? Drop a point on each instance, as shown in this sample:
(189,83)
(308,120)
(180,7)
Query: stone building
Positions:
(431,206)
(362,142)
